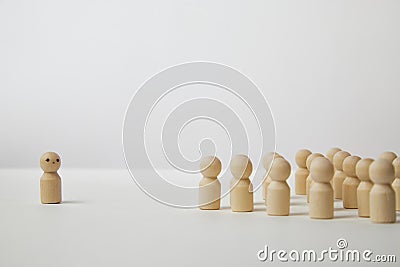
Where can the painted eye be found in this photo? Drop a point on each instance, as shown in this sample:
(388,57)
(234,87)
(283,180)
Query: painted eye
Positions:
(47,159)
(57,160)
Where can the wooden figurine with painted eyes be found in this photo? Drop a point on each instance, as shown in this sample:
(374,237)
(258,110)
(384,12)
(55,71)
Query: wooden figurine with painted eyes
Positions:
(50,182)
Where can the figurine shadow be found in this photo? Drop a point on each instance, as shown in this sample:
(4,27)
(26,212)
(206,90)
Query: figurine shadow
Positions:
(298,203)
(350,216)
(73,202)
(259,209)
(299,214)
(298,197)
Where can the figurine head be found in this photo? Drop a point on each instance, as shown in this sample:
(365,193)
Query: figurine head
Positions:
(210,166)
(331,153)
(301,157)
(269,158)
(50,162)
(322,170)
(241,166)
(338,159)
(388,155)
(280,170)
(349,165)
(311,157)
(396,165)
(381,171)
(362,169)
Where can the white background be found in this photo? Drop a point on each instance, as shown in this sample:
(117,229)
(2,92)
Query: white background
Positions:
(68,69)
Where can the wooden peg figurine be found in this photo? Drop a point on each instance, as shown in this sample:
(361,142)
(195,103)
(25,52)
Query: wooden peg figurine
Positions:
(210,187)
(396,182)
(351,182)
(241,187)
(267,163)
(339,176)
(331,153)
(50,182)
(382,196)
(321,192)
(388,155)
(278,195)
(302,171)
(363,189)
(309,160)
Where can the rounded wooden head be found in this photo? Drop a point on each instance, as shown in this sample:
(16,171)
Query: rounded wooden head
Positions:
(301,157)
(322,170)
(311,157)
(388,155)
(241,166)
(338,159)
(381,171)
(210,166)
(331,153)
(362,169)
(268,158)
(50,162)
(349,165)
(396,165)
(280,170)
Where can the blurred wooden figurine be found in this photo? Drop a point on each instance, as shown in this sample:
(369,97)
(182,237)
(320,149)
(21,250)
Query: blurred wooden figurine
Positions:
(278,195)
(241,186)
(210,187)
(267,162)
(364,188)
(382,196)
(321,192)
(310,159)
(339,176)
(350,184)
(302,171)
(396,182)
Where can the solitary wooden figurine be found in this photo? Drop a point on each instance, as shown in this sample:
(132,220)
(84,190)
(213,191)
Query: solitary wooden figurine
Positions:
(396,182)
(339,176)
(267,161)
(50,182)
(321,192)
(310,159)
(278,195)
(382,196)
(210,187)
(364,188)
(241,186)
(350,184)
(302,171)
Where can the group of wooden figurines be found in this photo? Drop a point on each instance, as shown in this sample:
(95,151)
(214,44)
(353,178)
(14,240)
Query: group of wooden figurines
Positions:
(371,186)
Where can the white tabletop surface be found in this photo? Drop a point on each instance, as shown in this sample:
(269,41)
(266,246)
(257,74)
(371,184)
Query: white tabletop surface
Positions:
(106,220)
